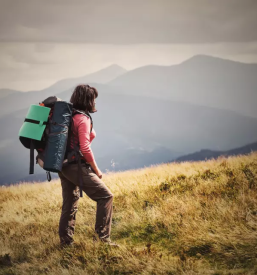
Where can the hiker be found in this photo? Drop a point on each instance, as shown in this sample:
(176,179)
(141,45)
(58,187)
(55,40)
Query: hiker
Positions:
(83,100)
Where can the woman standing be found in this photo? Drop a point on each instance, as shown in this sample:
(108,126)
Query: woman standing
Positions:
(83,99)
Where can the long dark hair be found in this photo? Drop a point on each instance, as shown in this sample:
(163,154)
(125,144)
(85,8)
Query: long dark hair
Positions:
(83,98)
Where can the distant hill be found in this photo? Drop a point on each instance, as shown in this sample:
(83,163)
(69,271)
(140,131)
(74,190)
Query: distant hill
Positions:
(6,92)
(103,76)
(24,99)
(202,80)
(205,154)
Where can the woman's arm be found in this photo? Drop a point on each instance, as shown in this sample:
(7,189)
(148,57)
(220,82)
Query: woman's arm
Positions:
(85,144)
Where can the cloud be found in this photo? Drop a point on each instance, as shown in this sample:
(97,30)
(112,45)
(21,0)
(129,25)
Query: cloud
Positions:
(128,22)
(44,47)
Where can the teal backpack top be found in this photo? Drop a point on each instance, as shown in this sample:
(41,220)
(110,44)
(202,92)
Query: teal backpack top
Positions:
(35,122)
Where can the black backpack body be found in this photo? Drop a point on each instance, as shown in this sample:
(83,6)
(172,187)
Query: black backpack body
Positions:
(54,151)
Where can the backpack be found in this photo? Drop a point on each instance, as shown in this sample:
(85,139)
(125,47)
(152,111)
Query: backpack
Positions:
(47,128)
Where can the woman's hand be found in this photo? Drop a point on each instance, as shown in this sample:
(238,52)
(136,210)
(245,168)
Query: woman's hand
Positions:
(99,174)
(95,169)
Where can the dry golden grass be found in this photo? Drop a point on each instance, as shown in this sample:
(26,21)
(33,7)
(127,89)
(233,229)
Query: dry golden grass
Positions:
(188,218)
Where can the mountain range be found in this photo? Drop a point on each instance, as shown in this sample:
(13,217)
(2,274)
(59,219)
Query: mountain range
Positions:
(14,100)
(148,115)
(6,92)
(201,80)
(206,154)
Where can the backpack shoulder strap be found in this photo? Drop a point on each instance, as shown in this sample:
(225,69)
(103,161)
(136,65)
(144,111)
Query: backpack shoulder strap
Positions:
(75,112)
(78,153)
(70,134)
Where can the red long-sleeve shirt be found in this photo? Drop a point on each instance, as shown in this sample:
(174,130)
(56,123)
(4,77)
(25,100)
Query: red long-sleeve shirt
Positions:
(81,132)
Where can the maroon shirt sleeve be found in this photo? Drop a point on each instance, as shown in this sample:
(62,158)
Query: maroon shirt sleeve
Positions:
(84,126)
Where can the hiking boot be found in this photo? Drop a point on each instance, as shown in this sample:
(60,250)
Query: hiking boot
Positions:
(105,241)
(109,242)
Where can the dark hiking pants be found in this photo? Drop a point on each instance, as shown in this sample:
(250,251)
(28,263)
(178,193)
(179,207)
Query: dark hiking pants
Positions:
(95,188)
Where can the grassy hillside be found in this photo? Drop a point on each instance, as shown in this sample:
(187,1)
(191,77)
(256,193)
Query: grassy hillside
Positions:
(187,218)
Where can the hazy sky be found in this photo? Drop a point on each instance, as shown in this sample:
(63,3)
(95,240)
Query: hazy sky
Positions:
(44,41)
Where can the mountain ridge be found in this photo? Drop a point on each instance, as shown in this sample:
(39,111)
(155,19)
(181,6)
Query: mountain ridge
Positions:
(202,80)
(206,154)
(199,58)
(114,68)
(205,57)
(34,97)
